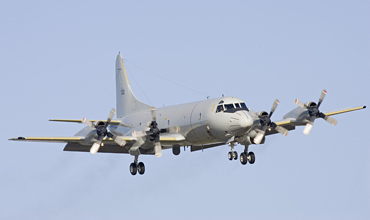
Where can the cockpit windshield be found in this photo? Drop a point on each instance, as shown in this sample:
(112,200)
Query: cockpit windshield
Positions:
(228,106)
(243,106)
(220,108)
(231,107)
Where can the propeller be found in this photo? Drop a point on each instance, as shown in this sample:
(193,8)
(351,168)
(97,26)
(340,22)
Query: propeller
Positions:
(154,132)
(102,131)
(265,121)
(314,113)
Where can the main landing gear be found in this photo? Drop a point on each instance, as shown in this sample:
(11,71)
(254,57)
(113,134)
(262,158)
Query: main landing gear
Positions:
(245,156)
(137,167)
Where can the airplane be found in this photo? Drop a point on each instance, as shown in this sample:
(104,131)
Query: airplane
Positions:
(141,129)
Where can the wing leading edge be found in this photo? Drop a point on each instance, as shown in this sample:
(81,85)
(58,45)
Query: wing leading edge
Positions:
(290,123)
(80,143)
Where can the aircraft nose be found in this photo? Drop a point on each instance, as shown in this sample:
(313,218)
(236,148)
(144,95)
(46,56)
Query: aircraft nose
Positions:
(245,120)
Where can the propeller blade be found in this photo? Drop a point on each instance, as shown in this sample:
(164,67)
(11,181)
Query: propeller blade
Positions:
(259,137)
(111,114)
(88,123)
(276,103)
(139,133)
(322,96)
(154,117)
(331,120)
(158,149)
(299,103)
(119,141)
(95,147)
(308,128)
(281,130)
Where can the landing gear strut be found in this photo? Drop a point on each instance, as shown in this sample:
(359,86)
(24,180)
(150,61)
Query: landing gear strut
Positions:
(137,167)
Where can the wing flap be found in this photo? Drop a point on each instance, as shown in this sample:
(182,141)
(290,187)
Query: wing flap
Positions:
(107,148)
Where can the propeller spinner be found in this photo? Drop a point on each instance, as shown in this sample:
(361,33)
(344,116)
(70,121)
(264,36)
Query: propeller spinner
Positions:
(314,113)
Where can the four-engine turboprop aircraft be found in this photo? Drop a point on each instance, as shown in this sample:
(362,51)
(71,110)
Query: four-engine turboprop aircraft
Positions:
(141,129)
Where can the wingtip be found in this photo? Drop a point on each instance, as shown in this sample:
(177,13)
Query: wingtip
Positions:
(17,138)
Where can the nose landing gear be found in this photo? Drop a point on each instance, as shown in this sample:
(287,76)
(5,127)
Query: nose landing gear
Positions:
(232,154)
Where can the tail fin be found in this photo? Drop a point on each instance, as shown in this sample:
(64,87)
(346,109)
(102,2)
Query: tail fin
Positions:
(127,103)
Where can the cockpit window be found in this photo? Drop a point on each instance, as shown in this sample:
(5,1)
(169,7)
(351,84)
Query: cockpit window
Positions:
(229,106)
(243,106)
(220,108)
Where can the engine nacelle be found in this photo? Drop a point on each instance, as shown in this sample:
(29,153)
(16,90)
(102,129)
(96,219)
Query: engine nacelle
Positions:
(100,123)
(248,139)
(311,104)
(263,113)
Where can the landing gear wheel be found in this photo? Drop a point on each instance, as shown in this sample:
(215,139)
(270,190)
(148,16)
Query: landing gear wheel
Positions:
(251,158)
(235,155)
(133,168)
(243,158)
(230,155)
(141,168)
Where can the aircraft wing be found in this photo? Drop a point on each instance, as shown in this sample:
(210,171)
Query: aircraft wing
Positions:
(287,124)
(344,110)
(291,123)
(112,122)
(80,143)
(76,139)
(49,139)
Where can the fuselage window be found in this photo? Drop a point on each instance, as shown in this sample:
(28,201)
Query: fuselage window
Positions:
(237,105)
(220,108)
(229,106)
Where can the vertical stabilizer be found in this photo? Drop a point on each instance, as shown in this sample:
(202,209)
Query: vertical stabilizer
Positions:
(127,103)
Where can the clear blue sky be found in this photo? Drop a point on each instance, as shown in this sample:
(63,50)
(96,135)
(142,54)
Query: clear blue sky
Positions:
(57,60)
